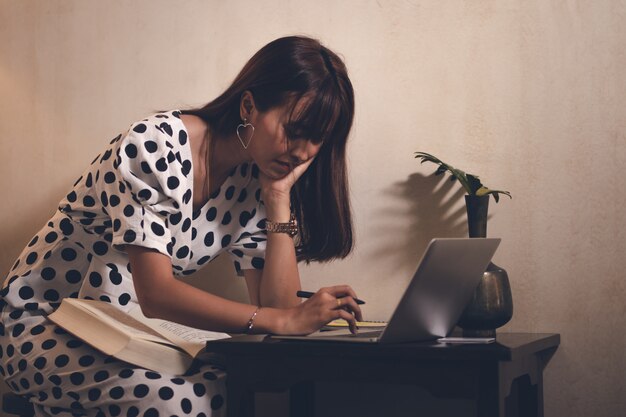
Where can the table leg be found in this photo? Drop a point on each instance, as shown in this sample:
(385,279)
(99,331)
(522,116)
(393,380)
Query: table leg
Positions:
(302,400)
(490,401)
(239,401)
(531,398)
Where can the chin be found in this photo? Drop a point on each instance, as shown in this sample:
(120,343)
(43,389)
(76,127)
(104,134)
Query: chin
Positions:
(270,173)
(274,171)
(278,175)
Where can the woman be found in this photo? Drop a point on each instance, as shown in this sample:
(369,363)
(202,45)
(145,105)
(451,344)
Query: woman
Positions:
(243,174)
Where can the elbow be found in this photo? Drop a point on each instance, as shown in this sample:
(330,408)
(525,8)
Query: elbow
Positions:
(156,296)
(149,304)
(146,308)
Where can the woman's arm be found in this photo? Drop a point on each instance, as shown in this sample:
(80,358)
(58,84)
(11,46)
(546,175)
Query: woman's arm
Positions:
(162,296)
(280,279)
(277,283)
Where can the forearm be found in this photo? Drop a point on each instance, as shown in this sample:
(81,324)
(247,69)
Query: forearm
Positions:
(280,279)
(182,303)
(162,296)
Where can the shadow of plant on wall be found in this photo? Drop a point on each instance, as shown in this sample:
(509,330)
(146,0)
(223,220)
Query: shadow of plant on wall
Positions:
(413,212)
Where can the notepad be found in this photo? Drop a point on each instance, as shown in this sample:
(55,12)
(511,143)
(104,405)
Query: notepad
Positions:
(361,324)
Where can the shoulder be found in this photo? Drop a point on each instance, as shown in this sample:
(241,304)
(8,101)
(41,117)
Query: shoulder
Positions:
(165,120)
(197,131)
(155,149)
(195,126)
(167,124)
(159,135)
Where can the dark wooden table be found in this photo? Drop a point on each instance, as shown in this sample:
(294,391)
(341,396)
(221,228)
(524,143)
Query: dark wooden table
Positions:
(504,378)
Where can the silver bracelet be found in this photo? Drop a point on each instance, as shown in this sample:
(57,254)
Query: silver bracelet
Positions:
(251,321)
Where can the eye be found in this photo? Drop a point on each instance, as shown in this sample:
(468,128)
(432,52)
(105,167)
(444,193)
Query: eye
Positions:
(295,132)
(290,132)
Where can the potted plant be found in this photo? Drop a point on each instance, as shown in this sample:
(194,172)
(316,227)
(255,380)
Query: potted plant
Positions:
(492,304)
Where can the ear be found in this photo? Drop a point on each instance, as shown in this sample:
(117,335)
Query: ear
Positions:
(246,105)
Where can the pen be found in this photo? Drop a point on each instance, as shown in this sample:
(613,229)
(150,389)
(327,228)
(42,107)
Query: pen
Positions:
(308,294)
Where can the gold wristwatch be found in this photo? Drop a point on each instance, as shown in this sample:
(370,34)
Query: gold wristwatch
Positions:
(291,227)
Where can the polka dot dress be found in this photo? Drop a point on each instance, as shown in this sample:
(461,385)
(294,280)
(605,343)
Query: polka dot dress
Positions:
(137,191)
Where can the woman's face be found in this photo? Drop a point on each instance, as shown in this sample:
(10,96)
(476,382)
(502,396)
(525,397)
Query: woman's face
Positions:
(274,153)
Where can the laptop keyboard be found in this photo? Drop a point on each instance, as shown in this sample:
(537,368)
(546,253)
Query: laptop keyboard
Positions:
(366,334)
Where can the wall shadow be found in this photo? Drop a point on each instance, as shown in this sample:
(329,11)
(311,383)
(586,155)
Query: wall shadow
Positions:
(412,213)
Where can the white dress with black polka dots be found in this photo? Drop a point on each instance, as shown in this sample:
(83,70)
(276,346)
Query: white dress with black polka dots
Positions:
(138,191)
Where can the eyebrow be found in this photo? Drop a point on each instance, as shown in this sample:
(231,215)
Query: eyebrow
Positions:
(298,130)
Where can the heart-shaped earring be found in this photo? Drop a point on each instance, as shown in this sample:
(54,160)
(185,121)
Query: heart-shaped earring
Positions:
(243,126)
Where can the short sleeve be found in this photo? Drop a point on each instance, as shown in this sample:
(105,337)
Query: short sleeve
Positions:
(144,185)
(248,252)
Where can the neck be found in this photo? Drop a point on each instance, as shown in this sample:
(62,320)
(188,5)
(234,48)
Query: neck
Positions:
(227,154)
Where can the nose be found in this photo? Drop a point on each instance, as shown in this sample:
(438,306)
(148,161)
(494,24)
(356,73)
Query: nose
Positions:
(302,150)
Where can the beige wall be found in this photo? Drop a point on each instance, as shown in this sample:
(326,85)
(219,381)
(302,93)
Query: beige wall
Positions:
(528,94)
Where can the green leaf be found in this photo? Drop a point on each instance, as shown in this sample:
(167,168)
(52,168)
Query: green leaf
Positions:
(474,184)
(460,175)
(482,191)
(426,157)
(471,183)
(496,193)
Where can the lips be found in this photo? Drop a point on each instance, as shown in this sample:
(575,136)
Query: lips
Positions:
(284,165)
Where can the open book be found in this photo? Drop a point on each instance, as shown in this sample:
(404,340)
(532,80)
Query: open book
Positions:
(153,344)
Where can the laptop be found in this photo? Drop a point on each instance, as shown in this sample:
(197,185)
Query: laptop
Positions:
(432,304)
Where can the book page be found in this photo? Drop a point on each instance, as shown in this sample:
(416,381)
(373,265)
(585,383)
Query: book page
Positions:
(189,339)
(114,332)
(117,318)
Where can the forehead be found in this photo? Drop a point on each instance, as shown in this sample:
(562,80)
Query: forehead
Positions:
(292,109)
(314,115)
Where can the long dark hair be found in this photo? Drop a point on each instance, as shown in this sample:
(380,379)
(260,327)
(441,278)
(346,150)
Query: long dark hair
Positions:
(280,73)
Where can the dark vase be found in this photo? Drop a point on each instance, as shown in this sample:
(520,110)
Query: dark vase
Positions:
(492,304)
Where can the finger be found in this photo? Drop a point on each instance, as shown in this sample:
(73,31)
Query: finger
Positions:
(343,314)
(342,290)
(328,290)
(300,169)
(325,294)
(348,304)
(335,293)
(337,303)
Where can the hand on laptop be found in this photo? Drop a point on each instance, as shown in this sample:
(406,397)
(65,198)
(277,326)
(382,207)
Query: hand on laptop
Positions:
(326,305)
